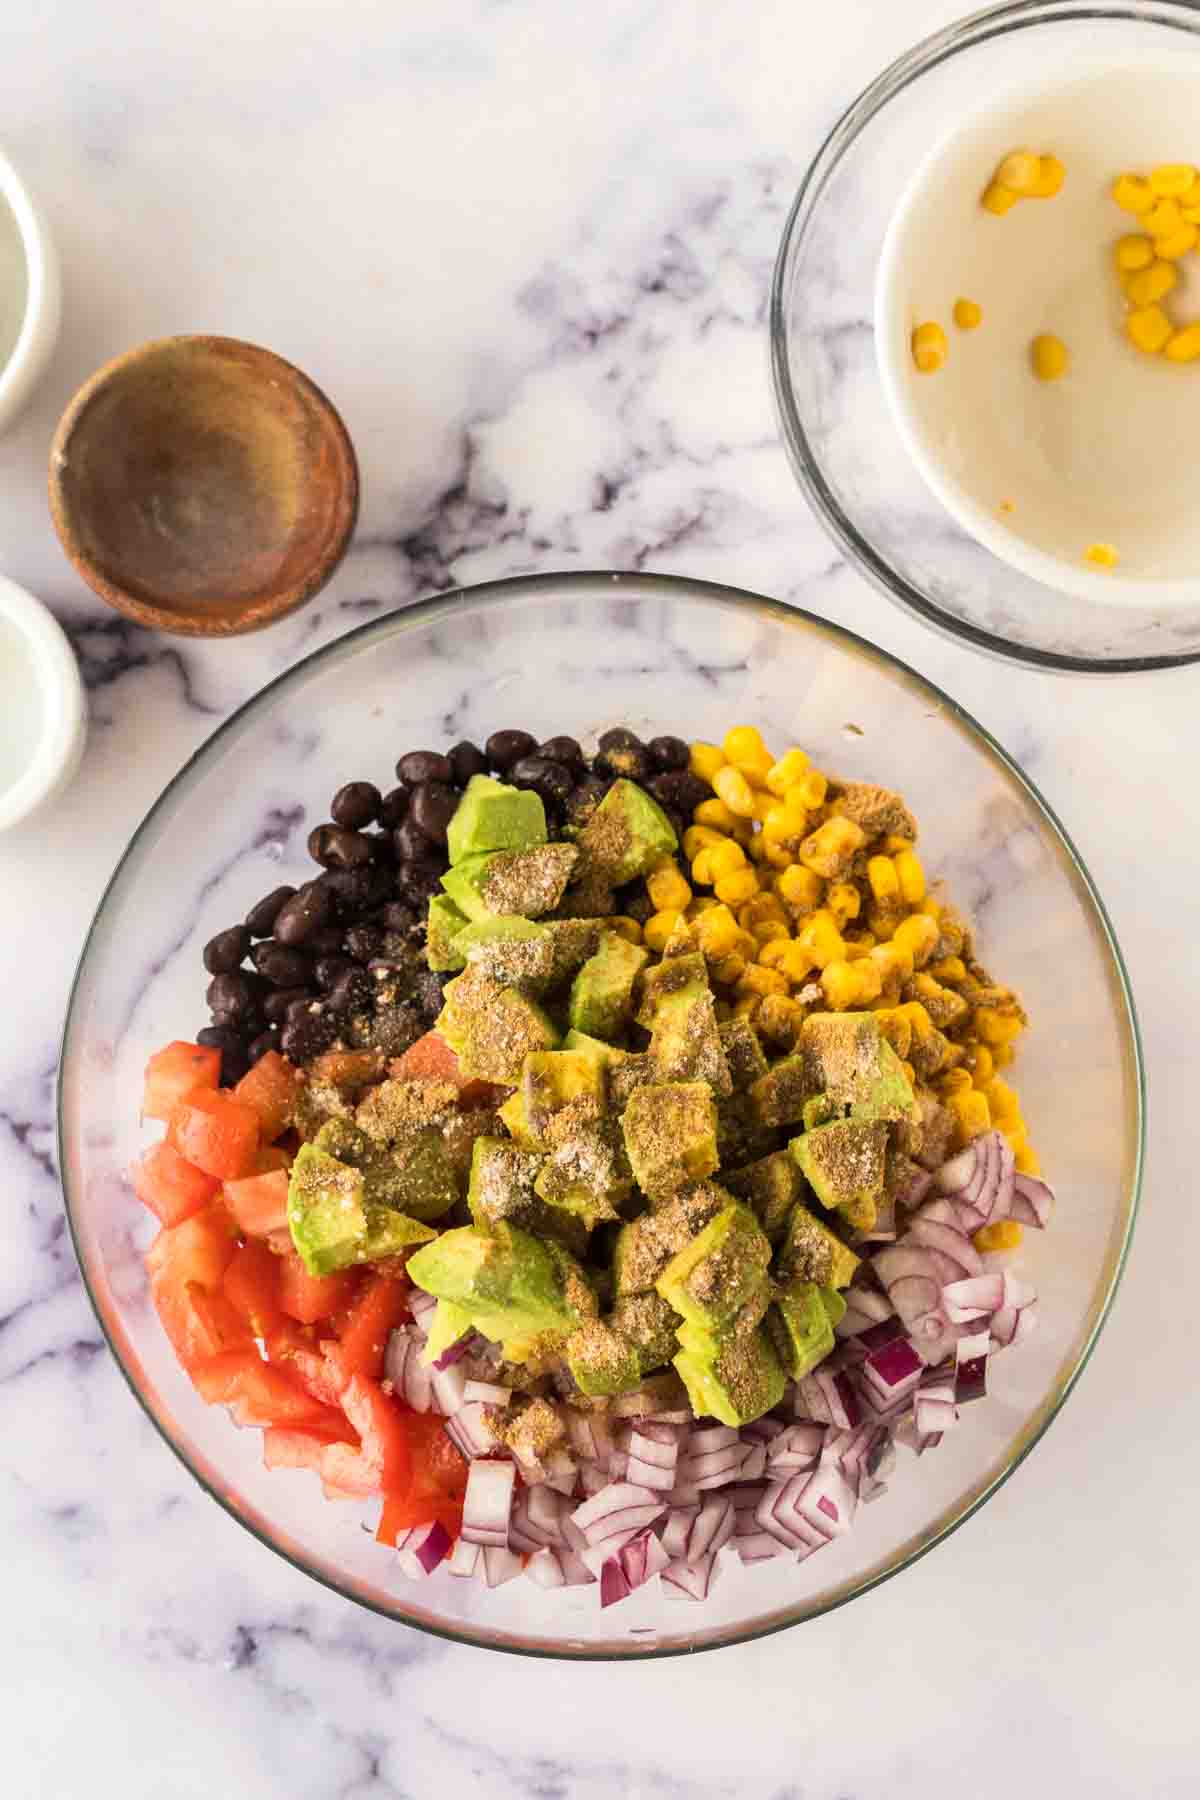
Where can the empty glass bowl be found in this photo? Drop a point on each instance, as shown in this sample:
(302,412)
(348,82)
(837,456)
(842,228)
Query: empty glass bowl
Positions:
(840,433)
(577,654)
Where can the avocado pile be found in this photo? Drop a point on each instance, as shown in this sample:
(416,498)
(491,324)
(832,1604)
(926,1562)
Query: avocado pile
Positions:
(653,1191)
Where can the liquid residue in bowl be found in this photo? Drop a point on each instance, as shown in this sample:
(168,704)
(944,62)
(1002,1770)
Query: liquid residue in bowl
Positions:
(22,715)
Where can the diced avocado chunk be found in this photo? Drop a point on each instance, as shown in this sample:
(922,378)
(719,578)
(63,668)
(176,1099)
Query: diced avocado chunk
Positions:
(513,1115)
(601,1360)
(511,1283)
(492,816)
(450,1322)
(843,1163)
(442,926)
(529,954)
(602,992)
(553,1079)
(686,1042)
(846,1057)
(344,1140)
(501,1182)
(682,973)
(504,882)
(743,1053)
(772,1185)
(633,1071)
(331,1223)
(649,1323)
(811,1252)
(607,1055)
(710,1279)
(492,1028)
(800,1327)
(742,1382)
(417,1178)
(670,1131)
(627,834)
(644,1248)
(777,1098)
(834,1304)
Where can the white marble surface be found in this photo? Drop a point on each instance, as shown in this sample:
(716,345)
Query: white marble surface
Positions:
(526,249)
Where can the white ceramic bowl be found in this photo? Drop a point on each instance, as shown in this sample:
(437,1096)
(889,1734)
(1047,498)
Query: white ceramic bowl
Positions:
(1037,471)
(43,711)
(30,294)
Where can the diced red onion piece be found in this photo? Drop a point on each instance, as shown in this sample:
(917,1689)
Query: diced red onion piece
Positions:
(651,1460)
(423,1548)
(487,1503)
(712,1437)
(950,1241)
(827,1396)
(642,1558)
(977,1298)
(684,1493)
(613,1585)
(689,1581)
(865,1306)
(1026,1324)
(970,1373)
(464,1559)
(827,1501)
(575,1571)
(1033,1201)
(953,1177)
(762,1430)
(489,1393)
(620,1508)
(758,1546)
(678,1417)
(715,1468)
(618,1465)
(449,1387)
(455,1352)
(544,1509)
(545,1567)
(712,1527)
(754,1463)
(470,1432)
(593,1479)
(745,1497)
(779,1513)
(499,1565)
(798,1448)
(678,1529)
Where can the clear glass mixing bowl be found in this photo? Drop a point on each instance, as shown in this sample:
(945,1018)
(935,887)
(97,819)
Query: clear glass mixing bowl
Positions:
(579,653)
(840,434)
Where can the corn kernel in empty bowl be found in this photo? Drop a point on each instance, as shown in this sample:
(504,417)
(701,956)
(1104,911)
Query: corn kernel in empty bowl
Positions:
(929,347)
(1050,356)
(967,314)
(1104,556)
(1172,179)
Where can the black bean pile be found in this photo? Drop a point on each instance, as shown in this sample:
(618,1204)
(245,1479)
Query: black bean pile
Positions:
(341,958)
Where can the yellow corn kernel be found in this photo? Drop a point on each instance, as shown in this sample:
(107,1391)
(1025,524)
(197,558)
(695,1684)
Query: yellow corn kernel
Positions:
(971,1115)
(715,814)
(956,1081)
(844,902)
(756,768)
(1149,285)
(1149,328)
(1133,252)
(1164,217)
(795,961)
(997,199)
(820,937)
(759,980)
(732,889)
(799,889)
(717,930)
(764,801)
(949,970)
(858,946)
(1190,215)
(841,985)
(777,855)
(1133,193)
(1051,175)
(771,955)
(659,927)
(730,969)
(1006,1108)
(919,1019)
(731,786)
(916,936)
(933,906)
(778,1018)
(1192,195)
(896,1029)
(1184,345)
(1019,171)
(996,1029)
(700,837)
(741,741)
(967,314)
(1171,179)
(982,1063)
(725,857)
(701,904)
(1171,245)
(747,1007)
(757,848)
(1028,1162)
(1002,1054)
(795,805)
(911,877)
(828,849)
(891,960)
(810,790)
(1104,556)
(1005,1234)
(779,827)
(768,931)
(1050,356)
(624,927)
(763,906)
(929,347)
(667,889)
(705,759)
(786,772)
(702,873)
(745,945)
(884,878)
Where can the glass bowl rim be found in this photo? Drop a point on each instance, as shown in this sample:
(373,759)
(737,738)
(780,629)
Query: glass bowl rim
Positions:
(605,584)
(930,53)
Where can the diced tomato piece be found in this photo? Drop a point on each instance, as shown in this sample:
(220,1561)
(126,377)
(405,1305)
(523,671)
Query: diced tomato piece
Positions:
(251,1285)
(216,1132)
(432,1059)
(199,1324)
(170,1186)
(285,1448)
(197,1250)
(270,1089)
(259,1393)
(259,1202)
(348,1068)
(439,1481)
(362,1340)
(270,1157)
(311,1297)
(175,1071)
(384,1463)
(294,1348)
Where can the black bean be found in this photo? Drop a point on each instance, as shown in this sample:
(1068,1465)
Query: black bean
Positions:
(634,905)
(549,779)
(621,753)
(224,953)
(504,748)
(307,1035)
(401,919)
(423,765)
(427,994)
(562,750)
(352,991)
(276,1005)
(381,848)
(364,942)
(668,753)
(329,941)
(230,998)
(282,967)
(680,791)
(232,1045)
(394,807)
(433,806)
(347,887)
(410,842)
(466,759)
(356,804)
(419,880)
(334,847)
(260,920)
(303,914)
(329,968)
(584,798)
(266,1040)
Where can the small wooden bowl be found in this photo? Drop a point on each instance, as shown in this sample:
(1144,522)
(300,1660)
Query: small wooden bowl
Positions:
(203,486)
